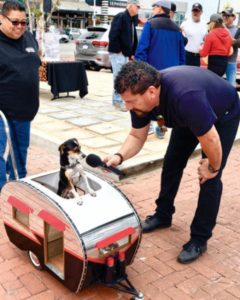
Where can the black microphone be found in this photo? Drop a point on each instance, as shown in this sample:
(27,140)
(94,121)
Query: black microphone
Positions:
(95,161)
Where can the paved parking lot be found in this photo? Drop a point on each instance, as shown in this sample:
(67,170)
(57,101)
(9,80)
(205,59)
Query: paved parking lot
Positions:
(155,271)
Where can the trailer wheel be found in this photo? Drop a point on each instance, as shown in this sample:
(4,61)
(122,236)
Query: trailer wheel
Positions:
(140,296)
(35,261)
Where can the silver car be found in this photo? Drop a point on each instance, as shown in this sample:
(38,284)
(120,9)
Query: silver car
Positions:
(92,47)
(74,33)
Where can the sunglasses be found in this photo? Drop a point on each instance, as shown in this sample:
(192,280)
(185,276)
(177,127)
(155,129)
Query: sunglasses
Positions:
(17,22)
(226,16)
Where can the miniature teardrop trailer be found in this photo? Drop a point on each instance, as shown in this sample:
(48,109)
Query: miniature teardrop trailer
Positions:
(78,244)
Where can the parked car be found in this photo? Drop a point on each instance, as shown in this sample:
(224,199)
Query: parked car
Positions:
(74,33)
(92,47)
(63,38)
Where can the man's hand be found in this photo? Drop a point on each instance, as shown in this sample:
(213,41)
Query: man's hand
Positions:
(131,58)
(112,160)
(204,172)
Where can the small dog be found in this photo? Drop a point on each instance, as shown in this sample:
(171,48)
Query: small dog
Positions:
(72,171)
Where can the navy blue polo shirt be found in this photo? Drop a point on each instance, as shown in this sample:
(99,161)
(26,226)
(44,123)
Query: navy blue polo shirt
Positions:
(194,98)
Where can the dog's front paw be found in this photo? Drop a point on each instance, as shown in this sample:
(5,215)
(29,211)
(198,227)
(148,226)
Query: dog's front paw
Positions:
(93,194)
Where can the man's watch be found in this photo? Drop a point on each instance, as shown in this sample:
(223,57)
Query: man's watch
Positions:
(211,169)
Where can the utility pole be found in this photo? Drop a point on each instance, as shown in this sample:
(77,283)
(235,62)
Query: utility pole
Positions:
(218,9)
(94,13)
(104,12)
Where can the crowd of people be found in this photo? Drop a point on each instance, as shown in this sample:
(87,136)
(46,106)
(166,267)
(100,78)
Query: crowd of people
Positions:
(217,41)
(157,79)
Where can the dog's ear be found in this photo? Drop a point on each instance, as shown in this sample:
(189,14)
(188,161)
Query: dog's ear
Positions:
(61,148)
(76,141)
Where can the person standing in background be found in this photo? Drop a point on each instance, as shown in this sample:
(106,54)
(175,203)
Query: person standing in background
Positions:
(161,45)
(122,43)
(194,30)
(19,85)
(217,45)
(172,10)
(229,17)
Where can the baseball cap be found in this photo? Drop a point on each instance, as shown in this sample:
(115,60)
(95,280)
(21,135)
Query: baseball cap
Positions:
(228,11)
(216,18)
(197,6)
(163,3)
(173,7)
(136,2)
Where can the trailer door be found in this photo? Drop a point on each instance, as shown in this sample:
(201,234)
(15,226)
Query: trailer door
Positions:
(53,249)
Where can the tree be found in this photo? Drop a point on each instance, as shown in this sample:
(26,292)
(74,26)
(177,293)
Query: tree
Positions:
(39,14)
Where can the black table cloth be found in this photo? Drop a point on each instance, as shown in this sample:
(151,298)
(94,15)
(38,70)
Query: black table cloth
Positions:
(67,77)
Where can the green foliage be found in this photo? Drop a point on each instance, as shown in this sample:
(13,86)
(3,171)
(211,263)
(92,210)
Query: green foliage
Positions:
(37,12)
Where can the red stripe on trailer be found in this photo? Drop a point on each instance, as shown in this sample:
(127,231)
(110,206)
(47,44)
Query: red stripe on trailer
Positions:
(24,208)
(52,220)
(115,237)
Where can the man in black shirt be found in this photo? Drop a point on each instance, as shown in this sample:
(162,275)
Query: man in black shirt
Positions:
(200,107)
(19,85)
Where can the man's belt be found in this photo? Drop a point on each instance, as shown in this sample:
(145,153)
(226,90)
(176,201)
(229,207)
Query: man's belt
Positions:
(192,53)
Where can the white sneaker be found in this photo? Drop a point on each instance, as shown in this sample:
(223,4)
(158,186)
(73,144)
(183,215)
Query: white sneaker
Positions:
(159,133)
(151,129)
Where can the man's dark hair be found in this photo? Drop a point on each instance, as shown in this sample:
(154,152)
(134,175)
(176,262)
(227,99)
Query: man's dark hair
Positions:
(12,5)
(173,7)
(218,25)
(166,10)
(136,76)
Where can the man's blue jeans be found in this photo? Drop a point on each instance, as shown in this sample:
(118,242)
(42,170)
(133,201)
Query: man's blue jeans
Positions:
(117,61)
(20,137)
(181,145)
(231,73)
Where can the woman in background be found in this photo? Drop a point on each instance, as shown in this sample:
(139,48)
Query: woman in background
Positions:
(217,45)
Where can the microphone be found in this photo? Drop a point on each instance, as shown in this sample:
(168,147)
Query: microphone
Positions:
(95,161)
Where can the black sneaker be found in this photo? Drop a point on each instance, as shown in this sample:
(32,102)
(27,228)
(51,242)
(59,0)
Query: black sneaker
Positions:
(154,222)
(191,251)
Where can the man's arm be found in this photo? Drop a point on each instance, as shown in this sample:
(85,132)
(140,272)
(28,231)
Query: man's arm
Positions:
(236,40)
(211,146)
(142,50)
(182,54)
(132,145)
(114,33)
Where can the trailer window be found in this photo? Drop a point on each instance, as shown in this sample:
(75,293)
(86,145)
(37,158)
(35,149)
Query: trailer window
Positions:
(21,217)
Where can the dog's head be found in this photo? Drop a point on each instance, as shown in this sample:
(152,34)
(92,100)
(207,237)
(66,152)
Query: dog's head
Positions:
(70,153)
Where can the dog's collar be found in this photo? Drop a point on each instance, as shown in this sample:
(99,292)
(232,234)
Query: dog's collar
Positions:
(65,167)
(70,166)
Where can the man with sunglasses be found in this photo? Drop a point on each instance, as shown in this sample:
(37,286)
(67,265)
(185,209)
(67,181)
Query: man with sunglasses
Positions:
(19,85)
(229,17)
(194,30)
